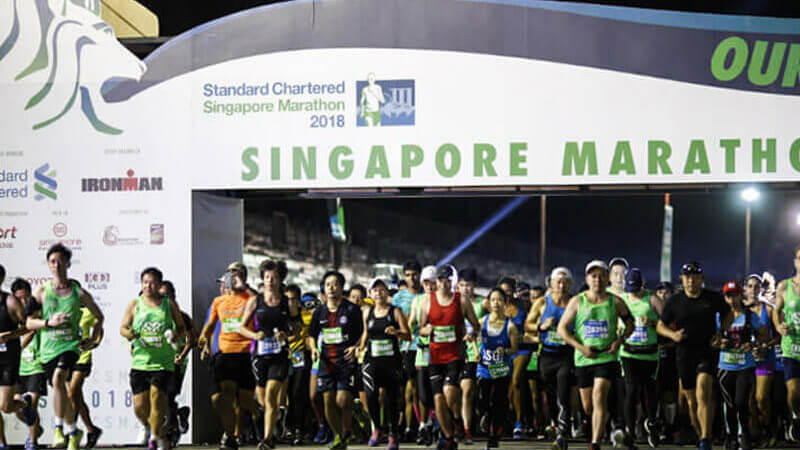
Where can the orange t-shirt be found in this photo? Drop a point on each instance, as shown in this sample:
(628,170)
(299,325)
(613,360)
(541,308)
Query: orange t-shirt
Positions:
(229,309)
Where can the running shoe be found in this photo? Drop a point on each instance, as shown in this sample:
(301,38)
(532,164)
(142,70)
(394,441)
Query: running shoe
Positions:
(744,442)
(517,431)
(266,444)
(704,444)
(298,437)
(92,437)
(794,430)
(458,425)
(29,444)
(421,435)
(152,445)
(559,444)
(493,442)
(651,428)
(427,435)
(322,434)
(229,443)
(374,438)
(75,440)
(442,444)
(617,437)
(183,418)
(392,444)
(468,437)
(338,443)
(550,432)
(59,440)
(730,444)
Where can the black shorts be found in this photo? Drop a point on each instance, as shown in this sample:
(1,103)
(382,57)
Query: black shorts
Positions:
(469,371)
(234,367)
(9,373)
(141,380)
(586,374)
(445,374)
(36,383)
(267,368)
(667,374)
(692,363)
(359,379)
(86,368)
(176,381)
(409,367)
(65,361)
(341,379)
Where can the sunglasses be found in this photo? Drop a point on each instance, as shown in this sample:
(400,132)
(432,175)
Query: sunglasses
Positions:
(310,304)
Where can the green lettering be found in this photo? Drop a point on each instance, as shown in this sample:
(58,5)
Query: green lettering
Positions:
(754,72)
(579,159)
(760,154)
(518,159)
(455,160)
(485,155)
(658,152)
(304,162)
(697,159)
(275,163)
(378,164)
(340,169)
(412,156)
(623,159)
(730,146)
(792,71)
(249,156)
(739,48)
(794,154)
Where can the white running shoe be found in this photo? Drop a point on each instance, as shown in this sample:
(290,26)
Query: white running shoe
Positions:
(618,438)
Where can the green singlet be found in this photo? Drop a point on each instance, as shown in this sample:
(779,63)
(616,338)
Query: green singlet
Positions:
(423,358)
(151,351)
(473,349)
(790,344)
(65,337)
(596,326)
(29,363)
(643,336)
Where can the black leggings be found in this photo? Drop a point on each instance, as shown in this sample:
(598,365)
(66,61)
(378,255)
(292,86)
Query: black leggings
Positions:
(779,396)
(556,371)
(383,372)
(298,396)
(736,387)
(493,394)
(640,378)
(424,388)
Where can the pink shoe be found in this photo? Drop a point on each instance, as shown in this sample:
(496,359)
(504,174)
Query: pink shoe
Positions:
(373,440)
(392,443)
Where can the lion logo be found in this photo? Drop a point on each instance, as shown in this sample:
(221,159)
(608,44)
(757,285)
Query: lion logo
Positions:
(68,53)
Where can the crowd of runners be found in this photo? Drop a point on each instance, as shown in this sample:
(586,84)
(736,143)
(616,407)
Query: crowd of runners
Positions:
(604,358)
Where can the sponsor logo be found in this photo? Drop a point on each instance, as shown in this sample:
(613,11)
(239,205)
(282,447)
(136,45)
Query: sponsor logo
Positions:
(157,233)
(61,234)
(385,102)
(119,184)
(7,236)
(15,184)
(97,281)
(60,230)
(46,184)
(111,237)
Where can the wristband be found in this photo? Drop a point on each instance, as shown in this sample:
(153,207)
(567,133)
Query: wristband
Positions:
(46,325)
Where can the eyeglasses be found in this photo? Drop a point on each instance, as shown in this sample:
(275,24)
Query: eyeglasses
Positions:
(310,304)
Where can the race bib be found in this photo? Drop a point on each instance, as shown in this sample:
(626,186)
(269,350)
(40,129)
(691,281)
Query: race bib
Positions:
(554,338)
(498,370)
(231,324)
(27,354)
(639,335)
(332,336)
(381,347)
(423,357)
(298,359)
(734,358)
(444,333)
(60,334)
(269,346)
(595,329)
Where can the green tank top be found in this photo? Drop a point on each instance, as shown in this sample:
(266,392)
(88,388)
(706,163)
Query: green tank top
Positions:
(790,345)
(473,349)
(151,351)
(643,336)
(29,362)
(66,337)
(423,358)
(596,326)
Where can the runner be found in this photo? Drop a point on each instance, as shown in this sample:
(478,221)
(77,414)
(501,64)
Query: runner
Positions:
(423,358)
(667,373)
(271,330)
(324,432)
(556,363)
(81,371)
(442,319)
(689,319)
(384,325)
(60,301)
(617,268)
(338,324)
(145,323)
(466,287)
(516,312)
(499,339)
(403,299)
(787,321)
(595,314)
(736,330)
(179,416)
(232,372)
(358,296)
(32,382)
(300,368)
(639,357)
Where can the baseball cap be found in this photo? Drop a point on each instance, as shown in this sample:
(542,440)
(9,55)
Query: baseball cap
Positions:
(428,273)
(377,281)
(445,271)
(731,287)
(618,260)
(595,264)
(664,285)
(633,280)
(238,267)
(691,268)
(560,272)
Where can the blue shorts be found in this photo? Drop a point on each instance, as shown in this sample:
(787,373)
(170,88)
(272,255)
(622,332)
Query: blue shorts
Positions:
(791,368)
(520,353)
(342,379)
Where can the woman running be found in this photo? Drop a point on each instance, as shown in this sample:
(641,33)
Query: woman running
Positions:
(515,311)
(499,340)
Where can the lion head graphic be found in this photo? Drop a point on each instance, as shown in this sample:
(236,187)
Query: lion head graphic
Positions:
(68,53)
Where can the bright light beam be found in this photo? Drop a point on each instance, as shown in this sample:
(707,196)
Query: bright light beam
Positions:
(507,209)
(750,194)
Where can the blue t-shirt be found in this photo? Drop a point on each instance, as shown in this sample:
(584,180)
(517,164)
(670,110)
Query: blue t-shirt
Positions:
(734,358)
(403,300)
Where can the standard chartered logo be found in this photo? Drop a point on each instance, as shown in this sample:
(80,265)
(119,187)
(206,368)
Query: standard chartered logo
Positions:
(45,184)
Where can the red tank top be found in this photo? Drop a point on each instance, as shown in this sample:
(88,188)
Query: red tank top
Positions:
(448,324)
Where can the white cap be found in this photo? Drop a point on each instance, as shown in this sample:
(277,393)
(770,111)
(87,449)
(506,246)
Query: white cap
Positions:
(595,264)
(428,273)
(376,281)
(560,272)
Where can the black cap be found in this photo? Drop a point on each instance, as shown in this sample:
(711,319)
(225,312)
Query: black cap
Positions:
(633,280)
(445,271)
(691,268)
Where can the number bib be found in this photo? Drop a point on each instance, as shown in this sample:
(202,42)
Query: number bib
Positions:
(60,334)
(734,358)
(498,370)
(639,335)
(595,329)
(231,324)
(269,346)
(553,338)
(298,359)
(332,336)
(381,347)
(27,354)
(444,333)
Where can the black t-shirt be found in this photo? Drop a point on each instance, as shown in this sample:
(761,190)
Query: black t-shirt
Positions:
(697,317)
(342,327)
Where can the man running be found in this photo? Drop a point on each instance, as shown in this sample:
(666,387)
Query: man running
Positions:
(595,314)
(556,363)
(145,323)
(442,319)
(423,358)
(466,287)
(32,382)
(339,325)
(60,301)
(689,319)
(787,322)
(667,373)
(403,300)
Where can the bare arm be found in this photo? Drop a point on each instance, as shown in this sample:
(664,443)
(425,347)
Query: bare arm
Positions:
(36,322)
(126,329)
(97,330)
(17,313)
(777,314)
(362,343)
(534,315)
(425,328)
(513,335)
(405,333)
(177,317)
(245,330)
(567,319)
(469,314)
